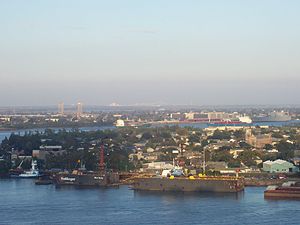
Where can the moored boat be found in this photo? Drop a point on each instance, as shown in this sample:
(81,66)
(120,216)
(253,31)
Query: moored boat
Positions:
(176,180)
(273,117)
(32,173)
(88,179)
(190,184)
(81,177)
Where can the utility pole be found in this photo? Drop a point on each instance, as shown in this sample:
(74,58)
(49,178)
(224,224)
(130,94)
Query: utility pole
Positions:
(204,162)
(181,150)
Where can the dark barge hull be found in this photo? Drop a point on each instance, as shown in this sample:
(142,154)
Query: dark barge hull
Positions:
(282,194)
(87,180)
(190,185)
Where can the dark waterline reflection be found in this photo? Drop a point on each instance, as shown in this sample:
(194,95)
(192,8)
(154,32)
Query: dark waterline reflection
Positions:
(190,195)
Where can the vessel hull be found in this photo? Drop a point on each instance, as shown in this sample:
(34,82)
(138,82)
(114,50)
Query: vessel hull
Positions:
(28,177)
(187,185)
(277,194)
(87,179)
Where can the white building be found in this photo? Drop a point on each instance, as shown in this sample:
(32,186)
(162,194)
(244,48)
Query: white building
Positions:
(279,166)
(158,165)
(189,116)
(120,123)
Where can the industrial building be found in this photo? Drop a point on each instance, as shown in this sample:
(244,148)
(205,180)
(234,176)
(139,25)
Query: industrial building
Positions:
(279,166)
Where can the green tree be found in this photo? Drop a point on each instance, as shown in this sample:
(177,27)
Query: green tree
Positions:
(268,147)
(286,150)
(234,163)
(221,135)
(248,157)
(222,156)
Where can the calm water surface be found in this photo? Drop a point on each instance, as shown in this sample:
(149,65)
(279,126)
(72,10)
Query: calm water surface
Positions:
(4,134)
(22,202)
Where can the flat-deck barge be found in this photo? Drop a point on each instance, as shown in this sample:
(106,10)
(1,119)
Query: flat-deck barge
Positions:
(190,184)
(83,178)
(289,189)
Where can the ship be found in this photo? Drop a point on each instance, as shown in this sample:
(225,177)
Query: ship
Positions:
(83,178)
(190,184)
(32,173)
(273,117)
(290,189)
(88,179)
(175,180)
(239,121)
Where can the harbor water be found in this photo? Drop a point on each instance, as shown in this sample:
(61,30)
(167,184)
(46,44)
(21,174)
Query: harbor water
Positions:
(7,133)
(24,203)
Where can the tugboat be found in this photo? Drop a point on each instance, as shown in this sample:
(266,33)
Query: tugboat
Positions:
(83,178)
(290,189)
(32,173)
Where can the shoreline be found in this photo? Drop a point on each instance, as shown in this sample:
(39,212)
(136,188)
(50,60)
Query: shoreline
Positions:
(52,128)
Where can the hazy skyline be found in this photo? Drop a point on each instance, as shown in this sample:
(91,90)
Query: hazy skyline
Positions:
(166,52)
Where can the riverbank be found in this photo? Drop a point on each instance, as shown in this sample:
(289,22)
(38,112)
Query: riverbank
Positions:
(254,182)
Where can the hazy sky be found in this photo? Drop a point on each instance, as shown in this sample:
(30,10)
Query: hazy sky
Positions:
(149,51)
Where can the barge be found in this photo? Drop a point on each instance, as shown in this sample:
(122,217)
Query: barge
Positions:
(290,189)
(88,179)
(83,178)
(190,184)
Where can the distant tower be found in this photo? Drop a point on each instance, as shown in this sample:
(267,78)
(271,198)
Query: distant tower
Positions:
(79,109)
(61,108)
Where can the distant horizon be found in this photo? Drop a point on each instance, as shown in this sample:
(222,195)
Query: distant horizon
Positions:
(152,105)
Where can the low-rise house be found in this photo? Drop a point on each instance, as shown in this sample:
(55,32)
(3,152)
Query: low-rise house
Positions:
(258,160)
(216,166)
(279,166)
(151,156)
(140,144)
(235,152)
(272,151)
(156,167)
(159,165)
(42,154)
(150,150)
(138,155)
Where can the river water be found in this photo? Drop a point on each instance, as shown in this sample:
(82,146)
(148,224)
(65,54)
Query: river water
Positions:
(7,133)
(22,202)
(4,134)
